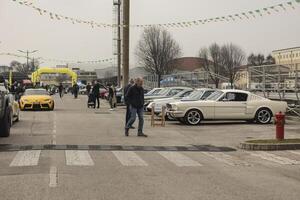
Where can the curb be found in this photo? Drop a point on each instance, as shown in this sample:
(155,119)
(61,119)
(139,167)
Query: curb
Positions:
(269,147)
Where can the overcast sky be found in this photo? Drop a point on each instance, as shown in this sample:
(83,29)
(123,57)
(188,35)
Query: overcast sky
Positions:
(23,28)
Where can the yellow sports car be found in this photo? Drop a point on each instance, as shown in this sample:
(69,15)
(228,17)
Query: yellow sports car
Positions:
(36,99)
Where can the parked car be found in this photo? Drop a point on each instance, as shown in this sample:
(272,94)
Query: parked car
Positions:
(36,99)
(15,108)
(159,103)
(164,93)
(153,92)
(5,110)
(227,105)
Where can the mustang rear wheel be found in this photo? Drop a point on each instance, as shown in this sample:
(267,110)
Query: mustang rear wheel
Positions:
(193,117)
(263,116)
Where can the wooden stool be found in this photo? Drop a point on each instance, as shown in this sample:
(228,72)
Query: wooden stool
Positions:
(160,118)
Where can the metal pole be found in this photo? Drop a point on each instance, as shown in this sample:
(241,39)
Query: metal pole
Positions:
(27,57)
(119,43)
(126,23)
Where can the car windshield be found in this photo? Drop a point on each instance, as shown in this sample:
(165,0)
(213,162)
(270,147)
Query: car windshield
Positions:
(163,91)
(181,94)
(214,96)
(195,95)
(35,92)
(156,91)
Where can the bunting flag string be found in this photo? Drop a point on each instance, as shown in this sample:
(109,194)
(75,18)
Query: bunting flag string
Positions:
(282,7)
(60,61)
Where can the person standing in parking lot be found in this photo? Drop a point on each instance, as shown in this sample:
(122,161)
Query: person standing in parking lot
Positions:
(96,93)
(131,83)
(135,97)
(60,90)
(88,89)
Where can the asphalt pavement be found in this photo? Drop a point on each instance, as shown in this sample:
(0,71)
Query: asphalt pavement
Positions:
(76,152)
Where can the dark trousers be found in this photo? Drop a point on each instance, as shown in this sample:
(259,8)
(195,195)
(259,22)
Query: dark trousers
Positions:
(97,99)
(127,113)
(133,113)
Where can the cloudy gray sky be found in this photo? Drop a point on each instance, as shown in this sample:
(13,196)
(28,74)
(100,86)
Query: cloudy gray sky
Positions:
(23,28)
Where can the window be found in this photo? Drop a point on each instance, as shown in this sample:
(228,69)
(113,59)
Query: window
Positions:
(235,96)
(174,92)
(206,94)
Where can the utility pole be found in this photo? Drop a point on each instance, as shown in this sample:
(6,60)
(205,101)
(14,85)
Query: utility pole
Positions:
(27,55)
(126,23)
(118,4)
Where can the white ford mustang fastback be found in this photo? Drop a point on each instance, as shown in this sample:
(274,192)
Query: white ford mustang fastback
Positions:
(227,105)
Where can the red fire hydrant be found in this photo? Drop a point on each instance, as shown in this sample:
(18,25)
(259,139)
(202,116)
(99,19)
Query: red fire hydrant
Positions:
(279,122)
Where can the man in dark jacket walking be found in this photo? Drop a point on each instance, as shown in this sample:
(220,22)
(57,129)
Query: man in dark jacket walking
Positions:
(135,97)
(96,93)
(131,83)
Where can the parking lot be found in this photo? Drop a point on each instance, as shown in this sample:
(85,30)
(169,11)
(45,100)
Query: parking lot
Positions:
(78,153)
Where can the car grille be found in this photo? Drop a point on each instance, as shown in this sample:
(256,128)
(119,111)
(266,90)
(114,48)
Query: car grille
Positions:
(27,106)
(36,106)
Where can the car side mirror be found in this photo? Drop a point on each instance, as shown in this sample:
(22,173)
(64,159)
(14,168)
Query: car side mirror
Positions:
(225,100)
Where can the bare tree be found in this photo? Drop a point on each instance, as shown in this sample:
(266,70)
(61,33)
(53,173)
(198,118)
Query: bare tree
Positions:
(256,60)
(232,58)
(212,62)
(155,50)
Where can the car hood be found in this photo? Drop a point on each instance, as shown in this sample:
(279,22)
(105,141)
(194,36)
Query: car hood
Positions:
(193,103)
(36,97)
(149,98)
(165,100)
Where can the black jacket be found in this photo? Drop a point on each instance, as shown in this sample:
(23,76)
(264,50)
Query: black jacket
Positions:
(135,96)
(125,92)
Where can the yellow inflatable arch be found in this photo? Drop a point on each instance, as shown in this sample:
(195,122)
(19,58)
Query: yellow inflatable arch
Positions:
(35,77)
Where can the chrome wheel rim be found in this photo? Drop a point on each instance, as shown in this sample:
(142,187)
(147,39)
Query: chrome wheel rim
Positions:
(194,117)
(264,116)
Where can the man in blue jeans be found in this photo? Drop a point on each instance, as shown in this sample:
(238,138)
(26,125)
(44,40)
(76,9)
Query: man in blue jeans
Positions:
(135,98)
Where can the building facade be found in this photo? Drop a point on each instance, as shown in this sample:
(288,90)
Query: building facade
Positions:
(290,56)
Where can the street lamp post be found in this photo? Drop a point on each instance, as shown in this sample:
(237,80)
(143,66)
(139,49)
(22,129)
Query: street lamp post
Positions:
(27,55)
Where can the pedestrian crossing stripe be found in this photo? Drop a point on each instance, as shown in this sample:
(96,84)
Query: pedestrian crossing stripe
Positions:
(179,159)
(78,158)
(226,159)
(275,158)
(26,158)
(130,158)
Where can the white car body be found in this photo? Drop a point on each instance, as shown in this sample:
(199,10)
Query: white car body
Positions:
(184,97)
(159,103)
(221,108)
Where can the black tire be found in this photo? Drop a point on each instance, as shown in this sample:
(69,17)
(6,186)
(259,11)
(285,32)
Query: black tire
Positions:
(52,108)
(263,116)
(5,123)
(193,117)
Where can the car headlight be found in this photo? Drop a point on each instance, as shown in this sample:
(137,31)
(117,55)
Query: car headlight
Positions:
(174,108)
(150,105)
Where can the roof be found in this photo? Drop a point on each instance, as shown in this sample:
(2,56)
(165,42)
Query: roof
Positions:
(187,63)
(286,49)
(234,90)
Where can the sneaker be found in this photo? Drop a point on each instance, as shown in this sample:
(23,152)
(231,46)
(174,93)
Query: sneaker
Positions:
(126,132)
(111,109)
(131,127)
(142,135)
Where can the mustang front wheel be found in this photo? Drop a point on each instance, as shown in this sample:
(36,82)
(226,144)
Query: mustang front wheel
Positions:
(263,116)
(193,117)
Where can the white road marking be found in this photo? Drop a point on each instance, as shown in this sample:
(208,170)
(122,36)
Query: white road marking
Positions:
(53,176)
(179,159)
(295,152)
(227,159)
(275,158)
(78,158)
(129,158)
(26,158)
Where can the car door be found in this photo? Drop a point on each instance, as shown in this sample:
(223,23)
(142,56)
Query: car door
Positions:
(232,105)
